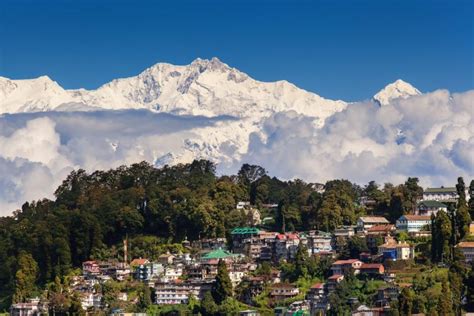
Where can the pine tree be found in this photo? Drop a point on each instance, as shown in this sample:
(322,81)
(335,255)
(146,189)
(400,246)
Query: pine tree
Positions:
(445,303)
(463,218)
(471,199)
(208,305)
(25,277)
(223,286)
(405,301)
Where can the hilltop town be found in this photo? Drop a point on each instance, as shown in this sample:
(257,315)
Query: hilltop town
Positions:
(180,240)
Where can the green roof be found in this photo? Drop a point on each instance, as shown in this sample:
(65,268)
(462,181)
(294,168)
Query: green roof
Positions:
(218,254)
(440,190)
(430,203)
(245,230)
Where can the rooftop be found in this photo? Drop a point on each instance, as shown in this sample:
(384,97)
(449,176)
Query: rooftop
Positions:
(441,190)
(373,219)
(416,217)
(431,203)
(466,244)
(245,230)
(218,254)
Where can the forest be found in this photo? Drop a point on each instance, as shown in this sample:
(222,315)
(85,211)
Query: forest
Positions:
(158,208)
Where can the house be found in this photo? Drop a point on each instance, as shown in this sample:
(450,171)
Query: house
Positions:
(396,251)
(178,292)
(341,267)
(441,194)
(91,300)
(239,234)
(319,241)
(138,261)
(220,254)
(431,207)
(412,223)
(333,281)
(30,308)
(282,291)
(344,231)
(467,249)
(373,269)
(286,246)
(172,273)
(364,310)
(148,271)
(387,295)
(210,243)
(317,298)
(166,258)
(377,233)
(366,222)
(90,269)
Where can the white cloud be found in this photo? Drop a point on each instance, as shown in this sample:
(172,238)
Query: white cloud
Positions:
(429,136)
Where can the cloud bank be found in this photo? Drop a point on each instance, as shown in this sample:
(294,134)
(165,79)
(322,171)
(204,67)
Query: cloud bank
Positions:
(430,136)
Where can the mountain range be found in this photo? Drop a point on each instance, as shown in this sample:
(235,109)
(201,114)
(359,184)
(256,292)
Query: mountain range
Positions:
(204,87)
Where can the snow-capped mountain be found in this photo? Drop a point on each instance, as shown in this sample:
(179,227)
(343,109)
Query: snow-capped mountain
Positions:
(395,90)
(204,87)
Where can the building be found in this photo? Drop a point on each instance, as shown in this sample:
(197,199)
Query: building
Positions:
(412,223)
(30,308)
(377,233)
(286,246)
(396,251)
(91,300)
(90,269)
(373,269)
(178,292)
(467,249)
(220,254)
(366,222)
(431,207)
(341,267)
(333,281)
(166,258)
(283,291)
(319,241)
(148,271)
(239,234)
(442,194)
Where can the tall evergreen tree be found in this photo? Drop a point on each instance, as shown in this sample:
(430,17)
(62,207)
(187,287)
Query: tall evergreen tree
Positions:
(463,218)
(405,301)
(445,303)
(223,285)
(471,199)
(25,277)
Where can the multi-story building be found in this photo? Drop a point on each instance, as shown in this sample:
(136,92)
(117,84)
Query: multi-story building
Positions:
(366,222)
(341,267)
(441,194)
(467,249)
(179,292)
(319,241)
(397,251)
(31,308)
(413,223)
(431,207)
(282,291)
(148,271)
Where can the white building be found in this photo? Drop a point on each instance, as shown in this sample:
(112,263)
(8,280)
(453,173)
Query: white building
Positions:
(30,308)
(431,207)
(366,222)
(442,194)
(412,223)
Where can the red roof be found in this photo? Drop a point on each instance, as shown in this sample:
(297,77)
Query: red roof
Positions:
(381,228)
(350,261)
(292,236)
(335,277)
(139,261)
(280,236)
(417,217)
(371,266)
(318,286)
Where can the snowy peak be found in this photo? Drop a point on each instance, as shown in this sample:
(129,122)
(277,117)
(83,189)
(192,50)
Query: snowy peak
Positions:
(395,90)
(204,87)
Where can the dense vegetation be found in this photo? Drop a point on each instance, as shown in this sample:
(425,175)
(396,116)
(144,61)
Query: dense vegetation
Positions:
(158,208)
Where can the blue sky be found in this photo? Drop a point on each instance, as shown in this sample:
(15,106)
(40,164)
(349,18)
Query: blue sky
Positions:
(338,49)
